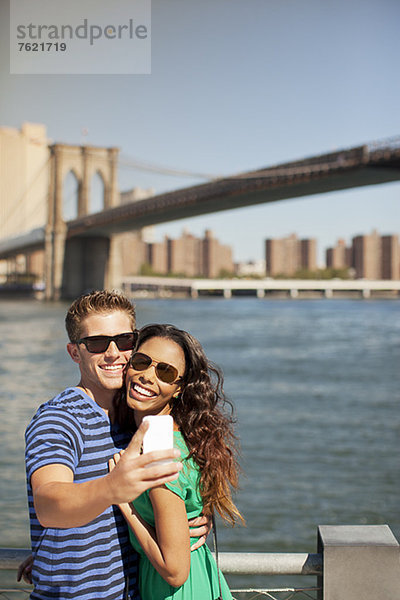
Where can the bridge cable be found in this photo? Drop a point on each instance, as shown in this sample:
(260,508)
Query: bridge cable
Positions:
(127,162)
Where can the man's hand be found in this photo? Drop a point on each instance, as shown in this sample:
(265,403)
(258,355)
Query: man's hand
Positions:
(25,570)
(132,473)
(200,527)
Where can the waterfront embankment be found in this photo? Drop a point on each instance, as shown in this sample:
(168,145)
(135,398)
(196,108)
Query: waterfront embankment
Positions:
(172,287)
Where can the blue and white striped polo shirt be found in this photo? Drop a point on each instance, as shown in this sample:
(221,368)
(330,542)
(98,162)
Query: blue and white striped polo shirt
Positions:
(95,561)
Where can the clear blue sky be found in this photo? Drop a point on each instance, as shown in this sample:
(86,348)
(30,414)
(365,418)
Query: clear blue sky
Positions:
(238,85)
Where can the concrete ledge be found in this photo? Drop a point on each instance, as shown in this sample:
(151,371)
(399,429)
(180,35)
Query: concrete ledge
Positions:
(11,558)
(238,563)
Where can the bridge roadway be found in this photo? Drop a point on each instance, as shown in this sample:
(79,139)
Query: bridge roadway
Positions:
(369,164)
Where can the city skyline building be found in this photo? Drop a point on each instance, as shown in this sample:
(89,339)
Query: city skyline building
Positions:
(390,263)
(188,255)
(308,250)
(184,255)
(288,255)
(217,258)
(340,256)
(371,256)
(367,256)
(252,268)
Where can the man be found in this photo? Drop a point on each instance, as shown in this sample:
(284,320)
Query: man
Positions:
(79,538)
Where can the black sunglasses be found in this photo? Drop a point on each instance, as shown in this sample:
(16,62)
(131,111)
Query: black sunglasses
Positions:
(99,343)
(165,372)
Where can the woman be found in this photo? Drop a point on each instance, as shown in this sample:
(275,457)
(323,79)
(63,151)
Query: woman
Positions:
(169,373)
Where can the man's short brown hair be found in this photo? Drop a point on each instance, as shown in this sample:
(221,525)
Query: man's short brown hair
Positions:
(99,301)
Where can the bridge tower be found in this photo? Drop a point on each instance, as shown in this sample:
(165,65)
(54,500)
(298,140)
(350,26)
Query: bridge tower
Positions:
(78,263)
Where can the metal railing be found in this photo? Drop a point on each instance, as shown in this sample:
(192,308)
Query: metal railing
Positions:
(309,593)
(14,593)
(277,594)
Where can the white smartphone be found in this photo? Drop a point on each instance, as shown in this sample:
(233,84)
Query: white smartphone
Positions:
(160,434)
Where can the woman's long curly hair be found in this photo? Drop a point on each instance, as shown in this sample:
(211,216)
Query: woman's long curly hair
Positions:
(200,412)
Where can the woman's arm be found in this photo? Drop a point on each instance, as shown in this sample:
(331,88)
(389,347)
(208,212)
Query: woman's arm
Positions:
(168,547)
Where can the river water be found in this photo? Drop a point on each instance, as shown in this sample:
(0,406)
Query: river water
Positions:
(316,386)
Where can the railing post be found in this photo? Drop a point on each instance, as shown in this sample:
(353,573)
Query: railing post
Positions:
(359,562)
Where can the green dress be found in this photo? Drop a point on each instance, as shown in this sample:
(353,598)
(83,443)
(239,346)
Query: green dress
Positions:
(202,583)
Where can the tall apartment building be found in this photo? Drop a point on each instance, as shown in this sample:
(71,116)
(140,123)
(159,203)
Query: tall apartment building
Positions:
(189,256)
(371,256)
(216,257)
(367,256)
(390,257)
(157,256)
(128,250)
(274,257)
(286,256)
(184,255)
(308,250)
(340,256)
